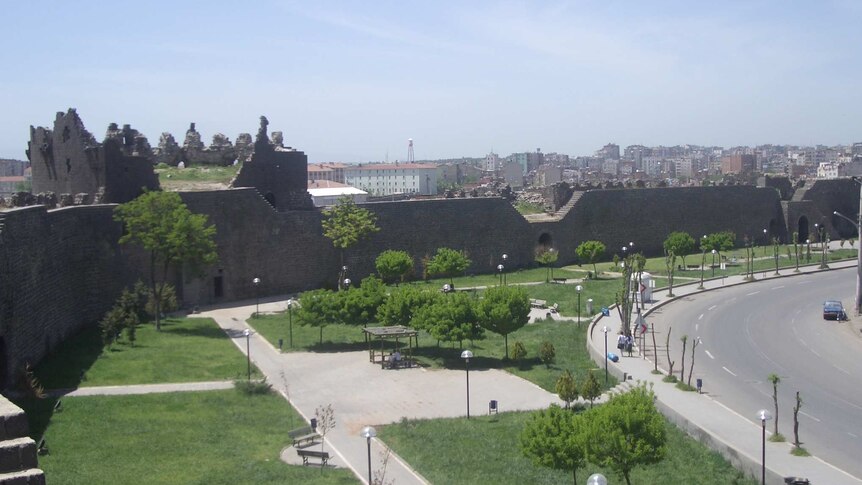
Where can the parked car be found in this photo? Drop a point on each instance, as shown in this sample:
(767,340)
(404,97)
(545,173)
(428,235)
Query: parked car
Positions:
(833,310)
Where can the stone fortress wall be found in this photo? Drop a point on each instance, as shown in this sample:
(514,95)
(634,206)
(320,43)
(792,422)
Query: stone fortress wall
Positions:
(60,270)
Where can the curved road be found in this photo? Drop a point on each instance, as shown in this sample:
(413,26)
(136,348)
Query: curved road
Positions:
(776,326)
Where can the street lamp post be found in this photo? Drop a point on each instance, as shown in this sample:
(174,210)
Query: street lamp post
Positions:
(500,268)
(247,334)
(346,283)
(808,251)
(605,331)
(702,258)
(466,355)
(505,278)
(368,432)
(764,417)
(256,282)
(597,479)
(290,304)
(579,288)
(858,255)
(765,240)
(713,263)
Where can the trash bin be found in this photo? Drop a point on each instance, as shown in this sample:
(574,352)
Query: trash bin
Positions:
(613,357)
(589,306)
(314,424)
(280,343)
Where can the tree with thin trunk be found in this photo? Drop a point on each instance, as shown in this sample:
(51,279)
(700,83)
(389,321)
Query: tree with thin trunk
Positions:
(503,310)
(694,344)
(554,438)
(667,350)
(591,252)
(776,252)
(566,388)
(684,339)
(654,347)
(172,235)
(590,389)
(796,250)
(345,224)
(796,408)
(547,257)
(774,379)
(325,422)
(670,263)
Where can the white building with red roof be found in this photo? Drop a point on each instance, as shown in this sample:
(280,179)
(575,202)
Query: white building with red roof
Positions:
(393,178)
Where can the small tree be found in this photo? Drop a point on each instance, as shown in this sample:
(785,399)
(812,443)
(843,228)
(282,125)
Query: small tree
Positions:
(319,308)
(566,388)
(776,252)
(519,351)
(796,250)
(448,262)
(345,224)
(553,438)
(694,344)
(667,350)
(591,389)
(680,243)
(547,353)
(359,304)
(591,252)
(796,443)
(393,266)
(503,310)
(166,229)
(775,380)
(684,339)
(547,257)
(325,422)
(670,264)
(626,432)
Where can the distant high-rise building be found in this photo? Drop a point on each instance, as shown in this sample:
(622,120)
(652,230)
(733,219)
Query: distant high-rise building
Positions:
(738,163)
(611,151)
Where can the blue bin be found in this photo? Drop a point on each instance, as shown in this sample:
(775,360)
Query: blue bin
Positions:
(613,357)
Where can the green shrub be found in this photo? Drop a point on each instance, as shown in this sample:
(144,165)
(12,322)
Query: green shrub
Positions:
(547,353)
(252,388)
(518,350)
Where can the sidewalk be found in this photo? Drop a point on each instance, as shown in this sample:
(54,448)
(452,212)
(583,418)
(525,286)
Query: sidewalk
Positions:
(736,437)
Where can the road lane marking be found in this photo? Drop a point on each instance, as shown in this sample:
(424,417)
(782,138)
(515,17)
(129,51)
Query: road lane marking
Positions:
(814,352)
(708,354)
(752,293)
(842,370)
(803,283)
(713,307)
(731,372)
(808,416)
(700,317)
(851,434)
(696,327)
(777,287)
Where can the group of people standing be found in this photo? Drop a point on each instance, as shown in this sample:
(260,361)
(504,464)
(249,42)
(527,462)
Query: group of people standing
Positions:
(625,342)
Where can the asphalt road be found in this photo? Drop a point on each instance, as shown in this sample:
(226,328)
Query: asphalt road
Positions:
(776,326)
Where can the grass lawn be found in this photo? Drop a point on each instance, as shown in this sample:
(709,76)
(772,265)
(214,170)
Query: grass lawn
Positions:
(217,437)
(486,450)
(186,350)
(173,178)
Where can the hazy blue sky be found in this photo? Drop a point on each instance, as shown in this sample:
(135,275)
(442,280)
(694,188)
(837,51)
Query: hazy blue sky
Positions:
(352,81)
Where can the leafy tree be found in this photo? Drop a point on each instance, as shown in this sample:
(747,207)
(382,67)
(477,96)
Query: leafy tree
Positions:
(393,265)
(547,257)
(590,388)
(448,262)
(720,241)
(626,432)
(503,310)
(670,264)
(547,353)
(450,318)
(553,438)
(566,388)
(319,308)
(401,305)
(162,224)
(591,252)
(681,243)
(346,223)
(359,304)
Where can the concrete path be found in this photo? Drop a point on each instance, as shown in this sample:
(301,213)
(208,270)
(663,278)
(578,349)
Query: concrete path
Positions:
(141,389)
(361,393)
(736,437)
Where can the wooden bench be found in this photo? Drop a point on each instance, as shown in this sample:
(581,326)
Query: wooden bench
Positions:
(538,303)
(303,436)
(323,456)
(560,280)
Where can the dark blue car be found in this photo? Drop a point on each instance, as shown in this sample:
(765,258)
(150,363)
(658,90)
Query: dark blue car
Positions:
(833,310)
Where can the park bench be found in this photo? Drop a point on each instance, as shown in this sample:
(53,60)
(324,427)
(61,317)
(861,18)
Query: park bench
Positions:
(303,436)
(560,280)
(538,303)
(323,456)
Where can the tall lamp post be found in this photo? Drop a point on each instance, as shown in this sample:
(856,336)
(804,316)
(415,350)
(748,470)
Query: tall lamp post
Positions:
(764,416)
(605,330)
(808,251)
(247,334)
(256,282)
(290,304)
(346,283)
(505,278)
(579,288)
(765,240)
(466,355)
(500,268)
(368,432)
(858,257)
(713,263)
(702,258)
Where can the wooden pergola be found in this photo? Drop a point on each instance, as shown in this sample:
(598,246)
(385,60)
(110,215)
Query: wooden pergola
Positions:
(382,334)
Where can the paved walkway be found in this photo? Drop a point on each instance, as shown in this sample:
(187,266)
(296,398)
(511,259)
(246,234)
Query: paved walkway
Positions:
(142,389)
(736,436)
(361,393)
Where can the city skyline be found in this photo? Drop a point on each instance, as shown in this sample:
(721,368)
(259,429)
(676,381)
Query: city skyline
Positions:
(352,82)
